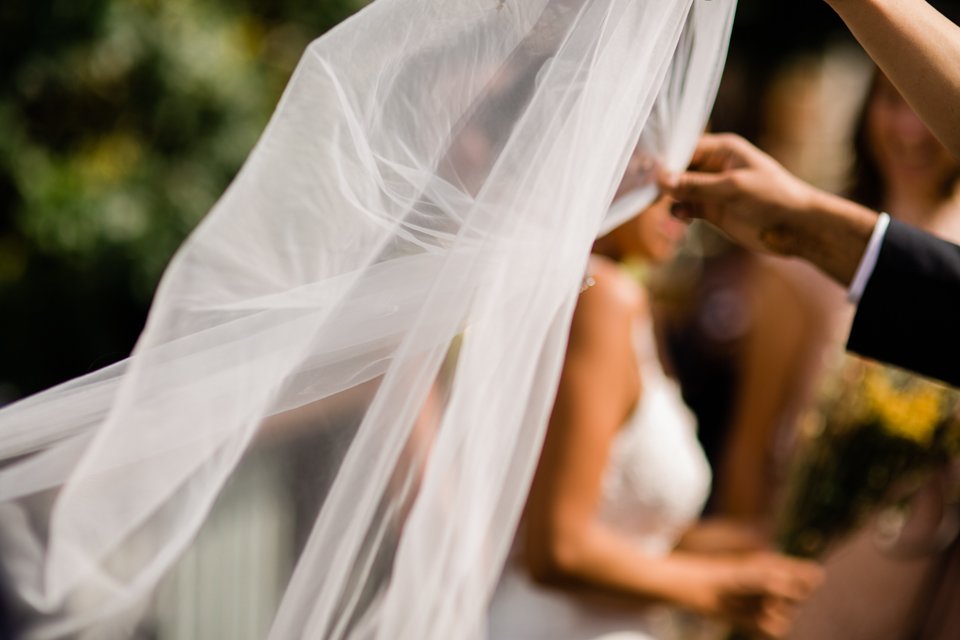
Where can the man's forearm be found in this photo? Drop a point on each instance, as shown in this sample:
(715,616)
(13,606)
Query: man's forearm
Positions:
(837,234)
(919,50)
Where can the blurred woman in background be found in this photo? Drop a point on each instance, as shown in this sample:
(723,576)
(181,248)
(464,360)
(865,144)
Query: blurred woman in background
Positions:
(872,592)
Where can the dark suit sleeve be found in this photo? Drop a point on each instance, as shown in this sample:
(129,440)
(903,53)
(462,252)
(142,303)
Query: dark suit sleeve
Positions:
(909,314)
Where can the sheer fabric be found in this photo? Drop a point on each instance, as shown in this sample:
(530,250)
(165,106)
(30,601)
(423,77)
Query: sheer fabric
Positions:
(393,271)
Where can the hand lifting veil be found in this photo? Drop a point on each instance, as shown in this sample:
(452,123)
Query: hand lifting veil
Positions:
(393,271)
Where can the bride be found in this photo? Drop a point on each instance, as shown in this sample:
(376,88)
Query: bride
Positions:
(394,269)
(610,523)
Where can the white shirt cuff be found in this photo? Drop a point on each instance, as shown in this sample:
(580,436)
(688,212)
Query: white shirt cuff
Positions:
(869,260)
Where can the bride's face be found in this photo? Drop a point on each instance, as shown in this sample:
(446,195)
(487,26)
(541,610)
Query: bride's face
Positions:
(653,235)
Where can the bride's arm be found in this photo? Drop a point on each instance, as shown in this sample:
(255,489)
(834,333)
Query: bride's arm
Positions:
(566,543)
(723,535)
(918,49)
(598,387)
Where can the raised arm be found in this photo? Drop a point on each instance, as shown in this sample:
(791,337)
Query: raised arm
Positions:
(919,50)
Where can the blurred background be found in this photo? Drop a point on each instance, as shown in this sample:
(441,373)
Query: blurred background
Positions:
(122,121)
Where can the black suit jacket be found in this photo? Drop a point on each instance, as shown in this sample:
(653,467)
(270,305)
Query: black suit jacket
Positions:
(909,314)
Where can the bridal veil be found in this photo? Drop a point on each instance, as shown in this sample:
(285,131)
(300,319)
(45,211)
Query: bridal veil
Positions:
(393,271)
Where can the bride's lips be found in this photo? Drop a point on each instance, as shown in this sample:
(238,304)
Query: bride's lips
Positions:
(672,229)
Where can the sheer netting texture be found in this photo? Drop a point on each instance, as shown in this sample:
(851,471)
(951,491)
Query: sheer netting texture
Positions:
(390,278)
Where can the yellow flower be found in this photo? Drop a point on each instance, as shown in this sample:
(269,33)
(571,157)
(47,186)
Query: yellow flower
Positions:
(913,412)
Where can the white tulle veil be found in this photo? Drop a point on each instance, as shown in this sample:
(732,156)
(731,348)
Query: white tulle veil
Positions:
(390,278)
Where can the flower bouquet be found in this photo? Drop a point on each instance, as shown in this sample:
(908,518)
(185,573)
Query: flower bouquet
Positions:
(874,437)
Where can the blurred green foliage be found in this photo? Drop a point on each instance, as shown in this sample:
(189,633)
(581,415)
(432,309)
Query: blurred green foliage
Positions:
(121,122)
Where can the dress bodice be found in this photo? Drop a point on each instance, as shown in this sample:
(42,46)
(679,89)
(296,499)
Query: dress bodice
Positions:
(657,478)
(655,484)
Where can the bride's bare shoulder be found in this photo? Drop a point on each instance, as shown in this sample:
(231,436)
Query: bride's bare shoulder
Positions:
(612,289)
(608,306)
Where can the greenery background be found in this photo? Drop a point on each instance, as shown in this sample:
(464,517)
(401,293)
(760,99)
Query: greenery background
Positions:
(121,121)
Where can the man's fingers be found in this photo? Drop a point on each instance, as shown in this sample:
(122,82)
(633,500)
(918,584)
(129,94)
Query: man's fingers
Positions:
(712,172)
(696,187)
(721,152)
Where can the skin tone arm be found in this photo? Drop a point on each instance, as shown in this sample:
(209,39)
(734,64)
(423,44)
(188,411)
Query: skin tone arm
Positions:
(763,207)
(565,541)
(774,365)
(918,49)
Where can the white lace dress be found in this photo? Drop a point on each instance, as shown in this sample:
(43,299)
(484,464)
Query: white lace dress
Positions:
(655,485)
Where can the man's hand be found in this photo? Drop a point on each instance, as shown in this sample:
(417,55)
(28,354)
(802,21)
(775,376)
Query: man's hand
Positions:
(761,206)
(738,188)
